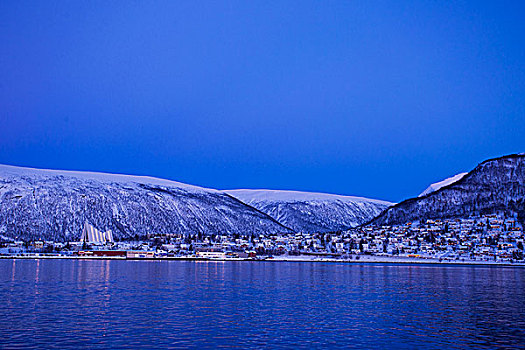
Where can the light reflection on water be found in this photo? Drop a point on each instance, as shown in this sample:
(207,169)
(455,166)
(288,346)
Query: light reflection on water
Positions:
(146,304)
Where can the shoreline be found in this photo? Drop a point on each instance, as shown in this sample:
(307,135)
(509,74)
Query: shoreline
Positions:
(298,259)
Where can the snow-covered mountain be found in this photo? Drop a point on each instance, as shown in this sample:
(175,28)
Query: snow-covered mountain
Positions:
(51,204)
(436,186)
(495,185)
(312,212)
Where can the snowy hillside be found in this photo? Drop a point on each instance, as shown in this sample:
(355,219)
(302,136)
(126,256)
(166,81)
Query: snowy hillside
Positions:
(494,186)
(436,186)
(312,212)
(50,204)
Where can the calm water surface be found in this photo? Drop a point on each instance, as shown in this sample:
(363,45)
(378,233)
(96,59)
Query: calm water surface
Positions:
(149,304)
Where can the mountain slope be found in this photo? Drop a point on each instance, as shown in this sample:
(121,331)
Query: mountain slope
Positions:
(312,212)
(495,185)
(50,204)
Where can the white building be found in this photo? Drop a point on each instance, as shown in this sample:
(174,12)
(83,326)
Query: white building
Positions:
(91,235)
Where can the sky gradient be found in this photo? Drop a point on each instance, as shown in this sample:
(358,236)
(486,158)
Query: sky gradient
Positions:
(370,98)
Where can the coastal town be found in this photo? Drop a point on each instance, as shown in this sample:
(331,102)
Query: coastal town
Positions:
(487,238)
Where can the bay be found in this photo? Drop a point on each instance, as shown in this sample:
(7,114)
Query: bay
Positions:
(99,304)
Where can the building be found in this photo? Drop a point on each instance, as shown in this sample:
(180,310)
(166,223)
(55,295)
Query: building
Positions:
(91,235)
(209,254)
(102,253)
(140,254)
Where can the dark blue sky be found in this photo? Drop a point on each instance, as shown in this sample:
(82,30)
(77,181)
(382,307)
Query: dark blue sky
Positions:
(371,98)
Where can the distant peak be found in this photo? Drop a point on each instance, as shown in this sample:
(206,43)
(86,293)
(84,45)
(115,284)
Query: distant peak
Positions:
(295,196)
(436,186)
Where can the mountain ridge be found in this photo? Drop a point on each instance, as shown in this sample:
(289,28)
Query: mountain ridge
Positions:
(54,204)
(481,190)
